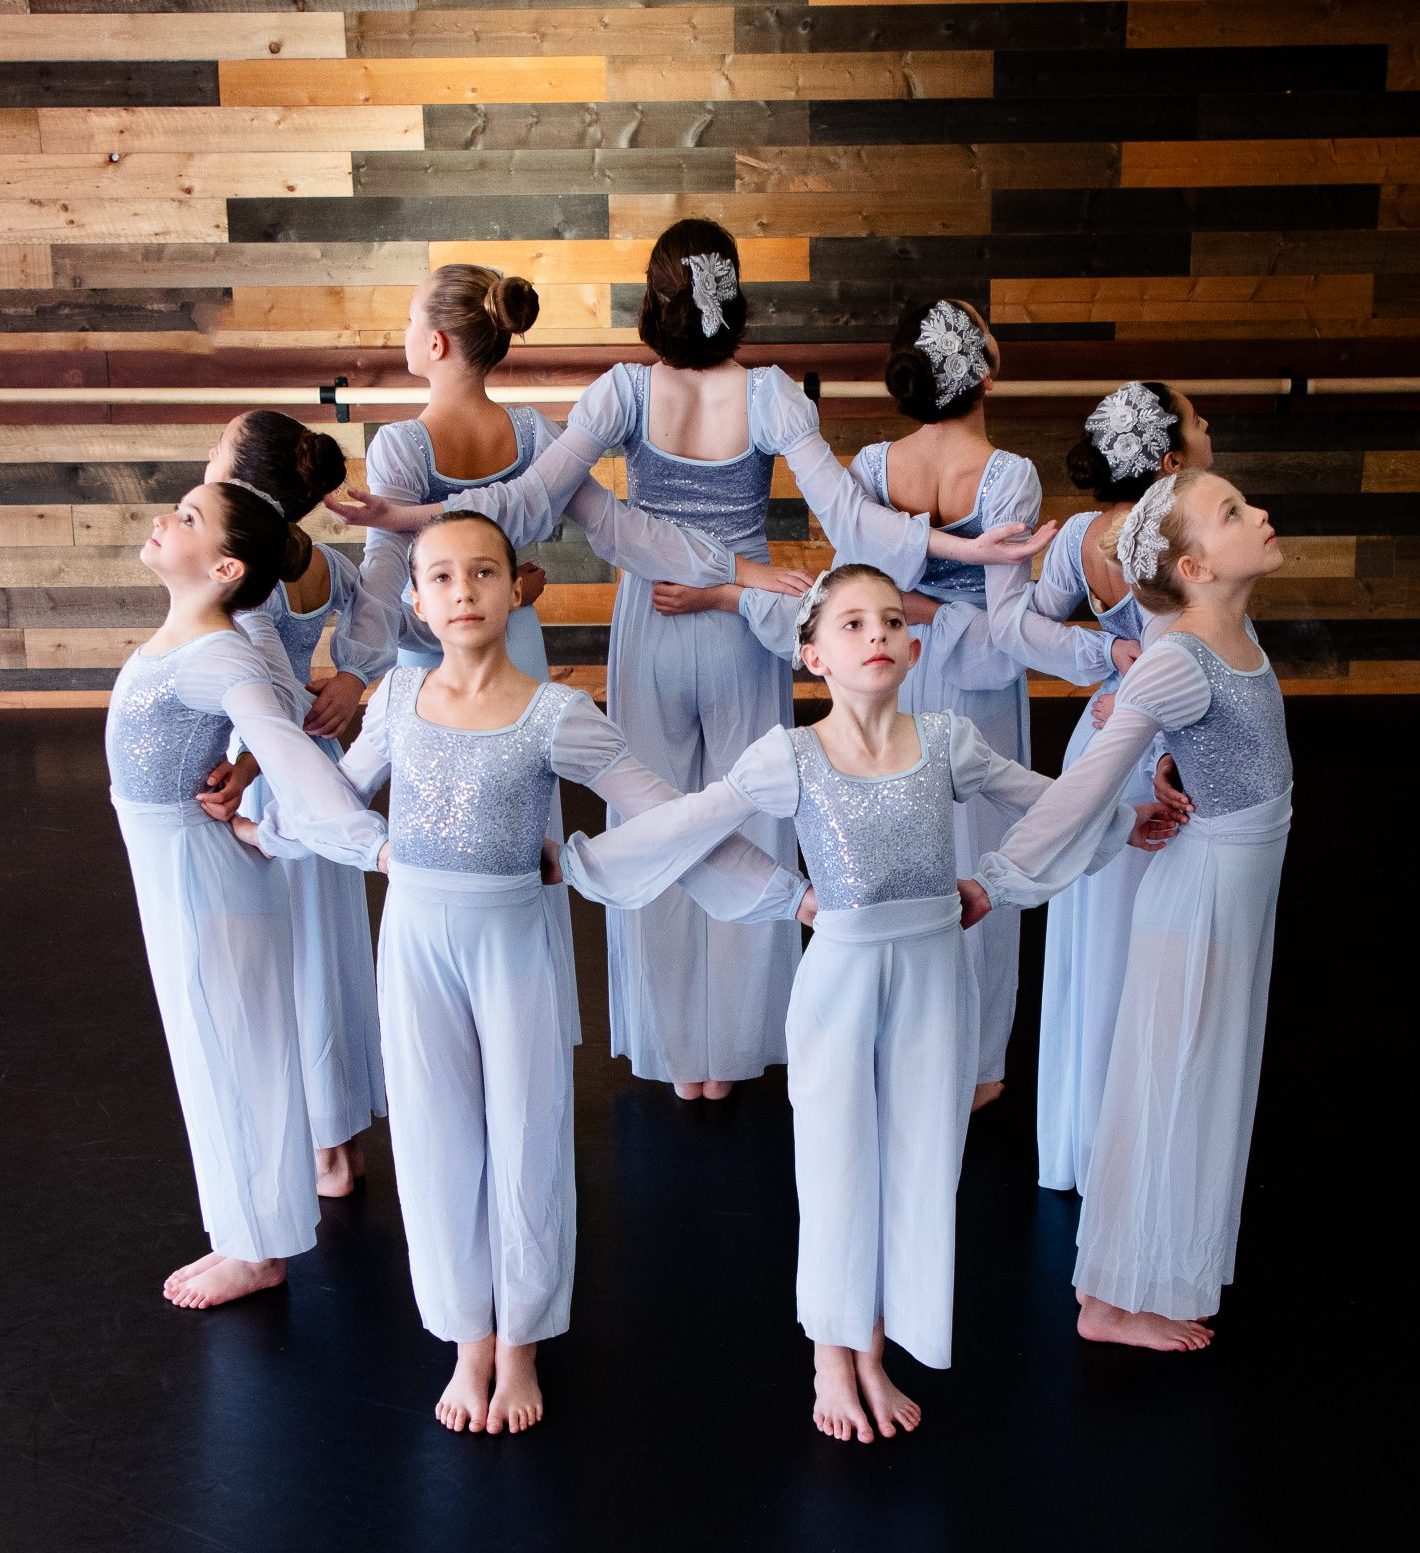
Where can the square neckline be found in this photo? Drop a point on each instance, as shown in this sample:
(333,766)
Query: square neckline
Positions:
(680,458)
(428,447)
(891,776)
(945,528)
(479,733)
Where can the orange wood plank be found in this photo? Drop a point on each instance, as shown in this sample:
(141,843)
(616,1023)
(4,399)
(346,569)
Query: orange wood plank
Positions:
(292,83)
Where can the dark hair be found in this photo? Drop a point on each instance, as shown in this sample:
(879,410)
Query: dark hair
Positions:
(910,377)
(287,460)
(480,311)
(254,533)
(463,517)
(1088,468)
(670,321)
(852,571)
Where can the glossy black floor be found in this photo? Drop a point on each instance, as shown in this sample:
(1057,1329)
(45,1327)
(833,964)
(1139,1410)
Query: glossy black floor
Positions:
(678,1410)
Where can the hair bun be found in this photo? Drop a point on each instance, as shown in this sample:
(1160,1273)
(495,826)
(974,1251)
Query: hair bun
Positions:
(297,555)
(908,375)
(512,304)
(320,466)
(1085,466)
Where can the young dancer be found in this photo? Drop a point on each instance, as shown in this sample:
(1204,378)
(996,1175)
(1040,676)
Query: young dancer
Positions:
(334,964)
(476,1048)
(882,1025)
(694,1002)
(216,921)
(1134,435)
(1159,1226)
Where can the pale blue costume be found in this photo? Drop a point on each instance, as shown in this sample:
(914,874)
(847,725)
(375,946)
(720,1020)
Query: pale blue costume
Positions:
(217,925)
(330,921)
(1162,1200)
(475,1029)
(882,1024)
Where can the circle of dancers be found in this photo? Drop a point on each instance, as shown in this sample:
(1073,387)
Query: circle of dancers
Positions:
(921,825)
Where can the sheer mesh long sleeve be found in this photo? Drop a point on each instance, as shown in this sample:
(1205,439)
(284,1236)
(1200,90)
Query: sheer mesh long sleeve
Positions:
(363,641)
(259,628)
(1066,832)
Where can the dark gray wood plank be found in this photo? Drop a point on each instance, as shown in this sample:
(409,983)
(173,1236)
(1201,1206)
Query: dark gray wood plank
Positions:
(576,644)
(1028,72)
(934,263)
(1284,206)
(1293,471)
(27,312)
(58,679)
(416,220)
(1364,512)
(792,29)
(32,485)
(1307,115)
(597,125)
(416,174)
(100,83)
(928,120)
(1306,253)
(63,609)
(1302,428)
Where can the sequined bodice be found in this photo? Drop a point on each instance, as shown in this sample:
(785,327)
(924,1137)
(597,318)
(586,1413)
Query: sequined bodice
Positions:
(1236,754)
(466,800)
(159,749)
(300,633)
(869,840)
(725,498)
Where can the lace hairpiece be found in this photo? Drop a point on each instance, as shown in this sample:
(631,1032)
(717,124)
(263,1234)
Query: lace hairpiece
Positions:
(256,490)
(956,347)
(1140,542)
(815,596)
(1130,427)
(712,281)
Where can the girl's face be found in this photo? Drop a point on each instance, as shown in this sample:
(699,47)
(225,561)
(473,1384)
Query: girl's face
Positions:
(186,546)
(1197,450)
(222,456)
(463,588)
(1228,541)
(861,641)
(418,337)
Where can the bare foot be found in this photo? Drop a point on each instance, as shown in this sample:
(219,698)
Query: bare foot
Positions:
(517,1397)
(986,1093)
(1102,1323)
(838,1410)
(176,1280)
(227,1280)
(890,1407)
(716,1088)
(689,1091)
(335,1170)
(464,1404)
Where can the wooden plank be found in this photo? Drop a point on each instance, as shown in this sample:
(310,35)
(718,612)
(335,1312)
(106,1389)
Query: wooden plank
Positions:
(232,36)
(926,212)
(102,83)
(32,526)
(247,130)
(27,266)
(422,173)
(62,311)
(75,567)
(146,175)
(125,444)
(1272,298)
(960,120)
(1399,207)
(891,26)
(291,83)
(1305,253)
(116,220)
(1190,24)
(569,126)
(19,130)
(1193,163)
(116,524)
(235,264)
(338,308)
(678,29)
(1182,209)
(1391,471)
(907,169)
(817,77)
(12,650)
(500,217)
(79,609)
(577,603)
(621,260)
(96,649)
(1403,74)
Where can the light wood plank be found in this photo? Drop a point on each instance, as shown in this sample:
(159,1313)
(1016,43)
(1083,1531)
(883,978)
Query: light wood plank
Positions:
(816,77)
(12,650)
(1182,298)
(247,130)
(126,444)
(615,260)
(235,264)
(19,131)
(31,526)
(102,648)
(116,220)
(144,175)
(74,567)
(1200,163)
(119,525)
(290,83)
(923,214)
(311,35)
(577,603)
(314,308)
(910,169)
(671,29)
(26,266)
(1192,24)
(1391,470)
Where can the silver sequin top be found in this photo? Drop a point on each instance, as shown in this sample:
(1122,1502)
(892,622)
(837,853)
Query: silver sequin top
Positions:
(873,839)
(1236,754)
(725,498)
(467,800)
(160,750)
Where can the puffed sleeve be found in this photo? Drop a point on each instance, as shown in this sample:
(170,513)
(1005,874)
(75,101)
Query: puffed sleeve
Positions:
(363,641)
(1035,641)
(228,675)
(736,882)
(607,410)
(771,616)
(784,420)
(1068,831)
(634,863)
(957,649)
(978,769)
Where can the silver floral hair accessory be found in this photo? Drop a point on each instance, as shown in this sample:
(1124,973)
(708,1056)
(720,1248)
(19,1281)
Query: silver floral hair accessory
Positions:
(815,596)
(1130,428)
(956,347)
(712,281)
(256,490)
(1140,542)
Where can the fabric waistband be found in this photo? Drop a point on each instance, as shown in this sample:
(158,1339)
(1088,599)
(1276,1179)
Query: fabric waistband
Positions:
(888,920)
(183,815)
(451,887)
(1254,826)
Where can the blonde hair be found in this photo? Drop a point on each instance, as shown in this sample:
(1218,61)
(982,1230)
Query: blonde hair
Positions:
(1163,592)
(480,310)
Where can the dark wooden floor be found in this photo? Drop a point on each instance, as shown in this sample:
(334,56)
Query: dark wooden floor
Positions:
(677,1406)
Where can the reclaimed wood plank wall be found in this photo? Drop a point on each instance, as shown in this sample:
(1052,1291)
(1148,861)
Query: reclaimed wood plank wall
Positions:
(242,192)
